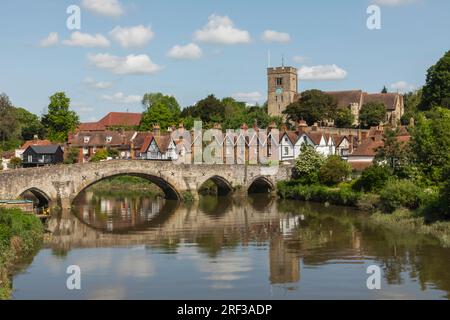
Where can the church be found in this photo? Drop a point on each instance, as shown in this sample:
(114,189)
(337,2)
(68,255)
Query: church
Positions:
(283,90)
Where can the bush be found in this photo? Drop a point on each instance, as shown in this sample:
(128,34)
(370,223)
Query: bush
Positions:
(100,155)
(401,194)
(308,163)
(373,178)
(334,171)
(368,202)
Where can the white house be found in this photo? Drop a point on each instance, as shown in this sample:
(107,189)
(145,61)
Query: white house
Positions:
(159,148)
(287,144)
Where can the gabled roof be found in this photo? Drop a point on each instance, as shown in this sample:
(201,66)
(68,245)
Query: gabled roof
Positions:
(368,148)
(315,137)
(98,139)
(293,137)
(389,100)
(146,143)
(346,98)
(163,142)
(35,143)
(121,119)
(338,139)
(50,149)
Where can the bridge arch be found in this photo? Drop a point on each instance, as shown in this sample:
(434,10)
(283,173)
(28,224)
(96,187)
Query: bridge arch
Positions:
(170,191)
(224,187)
(41,198)
(261,184)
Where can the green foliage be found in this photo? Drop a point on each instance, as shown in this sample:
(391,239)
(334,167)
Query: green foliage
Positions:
(113,153)
(373,178)
(71,155)
(344,118)
(368,202)
(30,124)
(334,171)
(317,193)
(188,196)
(401,194)
(100,155)
(412,101)
(444,195)
(313,106)
(372,114)
(59,120)
(15,163)
(9,125)
(159,109)
(309,162)
(209,110)
(436,91)
(430,143)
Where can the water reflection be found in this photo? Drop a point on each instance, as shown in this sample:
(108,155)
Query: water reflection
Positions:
(144,248)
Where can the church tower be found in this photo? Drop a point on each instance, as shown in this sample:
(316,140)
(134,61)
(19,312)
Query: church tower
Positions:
(283,89)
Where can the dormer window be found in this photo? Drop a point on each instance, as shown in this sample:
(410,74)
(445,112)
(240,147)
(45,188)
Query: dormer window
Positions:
(87,139)
(108,139)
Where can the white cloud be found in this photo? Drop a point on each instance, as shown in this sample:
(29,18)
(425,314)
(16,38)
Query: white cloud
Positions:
(275,36)
(322,72)
(131,64)
(190,51)
(299,59)
(110,8)
(50,40)
(97,84)
(82,107)
(403,86)
(121,98)
(251,98)
(221,30)
(137,36)
(78,39)
(393,3)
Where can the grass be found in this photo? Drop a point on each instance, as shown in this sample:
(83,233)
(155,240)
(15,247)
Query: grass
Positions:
(21,235)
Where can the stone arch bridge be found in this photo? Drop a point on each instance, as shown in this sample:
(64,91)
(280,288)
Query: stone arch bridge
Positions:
(60,185)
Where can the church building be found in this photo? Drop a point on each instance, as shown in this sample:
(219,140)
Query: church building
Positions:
(283,90)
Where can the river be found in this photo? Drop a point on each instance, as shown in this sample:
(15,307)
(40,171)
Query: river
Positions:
(139,247)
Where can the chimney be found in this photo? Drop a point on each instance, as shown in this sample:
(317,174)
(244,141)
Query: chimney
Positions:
(272,126)
(315,127)
(156,130)
(351,142)
(217,126)
(244,126)
(359,136)
(35,137)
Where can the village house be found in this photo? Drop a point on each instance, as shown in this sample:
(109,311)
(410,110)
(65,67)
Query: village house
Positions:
(158,146)
(37,156)
(35,142)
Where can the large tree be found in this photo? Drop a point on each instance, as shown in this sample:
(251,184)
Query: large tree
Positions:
(372,114)
(436,92)
(344,118)
(210,110)
(59,119)
(9,125)
(30,124)
(412,102)
(159,109)
(313,106)
(431,143)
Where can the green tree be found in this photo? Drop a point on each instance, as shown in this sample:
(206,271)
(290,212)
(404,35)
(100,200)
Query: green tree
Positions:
(9,125)
(436,92)
(308,164)
(59,120)
(372,114)
(395,154)
(100,155)
(209,110)
(445,193)
(412,102)
(431,143)
(373,178)
(150,99)
(344,118)
(159,114)
(313,106)
(334,171)
(71,155)
(15,163)
(30,124)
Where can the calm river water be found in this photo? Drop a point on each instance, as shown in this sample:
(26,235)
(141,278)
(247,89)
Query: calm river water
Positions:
(144,248)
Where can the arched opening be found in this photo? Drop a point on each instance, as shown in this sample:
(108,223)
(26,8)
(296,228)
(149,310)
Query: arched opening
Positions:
(216,186)
(124,203)
(260,185)
(40,200)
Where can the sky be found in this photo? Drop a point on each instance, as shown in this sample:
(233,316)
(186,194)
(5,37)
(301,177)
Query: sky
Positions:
(191,49)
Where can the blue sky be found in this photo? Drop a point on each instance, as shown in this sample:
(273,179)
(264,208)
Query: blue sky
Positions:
(127,48)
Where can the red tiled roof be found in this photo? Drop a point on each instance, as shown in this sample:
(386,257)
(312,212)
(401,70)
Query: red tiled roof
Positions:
(91,126)
(121,119)
(315,137)
(99,139)
(35,143)
(163,142)
(293,137)
(368,148)
(147,142)
(7,154)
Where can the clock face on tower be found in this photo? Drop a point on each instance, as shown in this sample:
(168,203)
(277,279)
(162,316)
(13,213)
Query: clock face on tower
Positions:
(279,91)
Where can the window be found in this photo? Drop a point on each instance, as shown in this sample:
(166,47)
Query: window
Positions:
(279,81)
(286,139)
(85,151)
(108,139)
(286,151)
(87,139)
(305,139)
(30,158)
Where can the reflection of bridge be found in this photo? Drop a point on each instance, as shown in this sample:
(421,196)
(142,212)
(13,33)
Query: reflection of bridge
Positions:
(61,184)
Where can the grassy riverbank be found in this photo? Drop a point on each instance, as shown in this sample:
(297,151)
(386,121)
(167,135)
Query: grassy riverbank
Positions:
(20,235)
